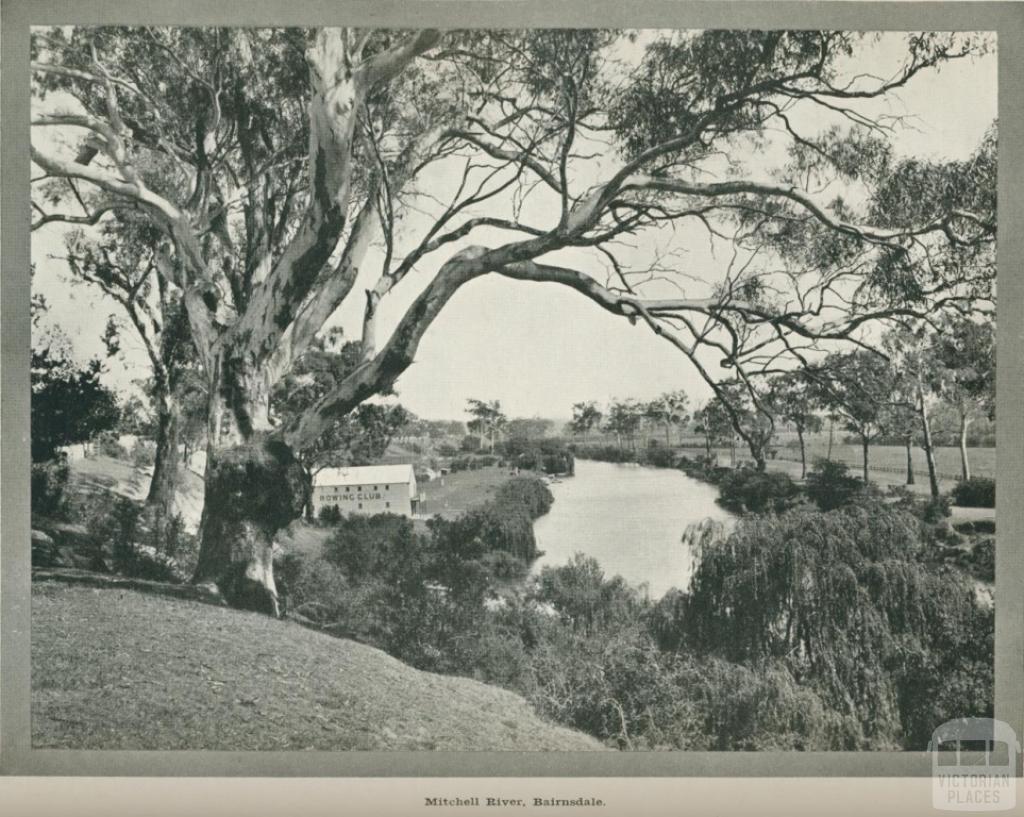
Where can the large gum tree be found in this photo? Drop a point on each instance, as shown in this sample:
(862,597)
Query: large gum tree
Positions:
(282,166)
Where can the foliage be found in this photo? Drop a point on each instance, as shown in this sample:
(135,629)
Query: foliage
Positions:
(49,483)
(857,386)
(329,514)
(794,587)
(586,417)
(107,444)
(976,492)
(527,492)
(829,486)
(362,545)
(69,403)
(747,490)
(359,437)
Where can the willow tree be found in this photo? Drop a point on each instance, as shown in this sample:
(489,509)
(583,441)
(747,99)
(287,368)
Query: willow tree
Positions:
(281,166)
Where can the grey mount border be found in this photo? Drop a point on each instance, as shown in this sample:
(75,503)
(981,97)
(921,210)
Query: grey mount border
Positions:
(17,757)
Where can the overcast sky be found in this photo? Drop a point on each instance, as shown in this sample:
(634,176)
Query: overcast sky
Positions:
(538,348)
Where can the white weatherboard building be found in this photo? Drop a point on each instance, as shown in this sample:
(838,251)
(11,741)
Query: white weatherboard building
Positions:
(367,489)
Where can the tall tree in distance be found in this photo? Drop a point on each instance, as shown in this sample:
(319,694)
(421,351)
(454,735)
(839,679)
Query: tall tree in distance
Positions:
(623,419)
(964,357)
(912,372)
(586,416)
(857,386)
(669,410)
(793,400)
(488,418)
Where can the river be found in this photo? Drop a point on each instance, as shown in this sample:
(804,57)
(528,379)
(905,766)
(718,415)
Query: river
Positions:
(628,517)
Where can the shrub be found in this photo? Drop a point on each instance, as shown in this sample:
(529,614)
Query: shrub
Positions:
(504,566)
(116,531)
(829,486)
(932,510)
(659,457)
(470,444)
(143,454)
(526,492)
(364,546)
(106,443)
(605,453)
(976,492)
(982,561)
(748,490)
(49,485)
(329,514)
(446,450)
(312,587)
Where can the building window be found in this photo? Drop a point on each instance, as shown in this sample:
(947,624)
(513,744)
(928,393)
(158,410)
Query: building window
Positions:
(360,506)
(387,504)
(375,487)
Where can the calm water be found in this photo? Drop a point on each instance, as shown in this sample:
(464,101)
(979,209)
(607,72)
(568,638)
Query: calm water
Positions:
(629,518)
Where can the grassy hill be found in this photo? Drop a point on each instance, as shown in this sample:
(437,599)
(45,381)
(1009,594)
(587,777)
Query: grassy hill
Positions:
(118,669)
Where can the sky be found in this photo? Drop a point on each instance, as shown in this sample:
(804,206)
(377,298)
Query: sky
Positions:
(539,348)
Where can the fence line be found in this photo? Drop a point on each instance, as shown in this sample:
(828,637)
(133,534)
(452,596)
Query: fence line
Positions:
(885,468)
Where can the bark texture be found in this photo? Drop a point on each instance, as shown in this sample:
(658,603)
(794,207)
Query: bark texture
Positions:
(252,491)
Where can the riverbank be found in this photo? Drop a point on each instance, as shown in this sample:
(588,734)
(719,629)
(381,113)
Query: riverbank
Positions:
(630,519)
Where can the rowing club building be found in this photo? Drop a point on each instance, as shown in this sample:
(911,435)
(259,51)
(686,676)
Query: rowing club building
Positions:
(368,489)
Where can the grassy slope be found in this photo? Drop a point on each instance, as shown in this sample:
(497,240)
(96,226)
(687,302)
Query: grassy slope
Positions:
(115,669)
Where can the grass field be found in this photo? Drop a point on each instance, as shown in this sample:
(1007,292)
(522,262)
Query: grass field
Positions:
(118,669)
(887,463)
(455,493)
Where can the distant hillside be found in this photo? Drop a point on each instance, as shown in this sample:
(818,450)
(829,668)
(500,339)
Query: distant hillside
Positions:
(117,669)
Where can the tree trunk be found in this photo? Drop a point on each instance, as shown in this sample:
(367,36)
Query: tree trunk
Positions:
(166,468)
(865,442)
(926,443)
(831,436)
(965,466)
(910,461)
(803,453)
(254,487)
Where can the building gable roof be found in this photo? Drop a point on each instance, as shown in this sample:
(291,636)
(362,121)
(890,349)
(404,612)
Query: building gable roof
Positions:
(363,474)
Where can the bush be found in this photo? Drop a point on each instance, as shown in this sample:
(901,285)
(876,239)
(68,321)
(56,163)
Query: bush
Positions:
(747,490)
(829,486)
(446,450)
(605,453)
(982,561)
(525,492)
(470,444)
(932,510)
(364,546)
(49,484)
(660,457)
(976,492)
(143,454)
(312,587)
(106,444)
(329,514)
